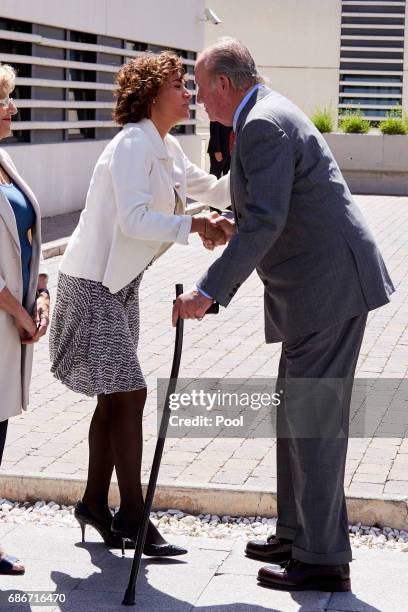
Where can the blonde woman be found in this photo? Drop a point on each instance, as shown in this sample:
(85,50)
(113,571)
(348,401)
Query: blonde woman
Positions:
(135,210)
(24,298)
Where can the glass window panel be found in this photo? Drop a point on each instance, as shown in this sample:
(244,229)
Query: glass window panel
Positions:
(133,46)
(77,55)
(390,78)
(375,112)
(372,66)
(374,101)
(372,31)
(384,20)
(74,74)
(23,114)
(373,90)
(388,44)
(81,95)
(15,26)
(82,114)
(16,47)
(372,8)
(380,55)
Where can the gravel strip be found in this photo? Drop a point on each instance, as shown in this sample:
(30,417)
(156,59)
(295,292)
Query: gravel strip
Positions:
(204,525)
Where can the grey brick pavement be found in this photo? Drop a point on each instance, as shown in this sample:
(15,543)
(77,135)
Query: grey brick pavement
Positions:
(51,439)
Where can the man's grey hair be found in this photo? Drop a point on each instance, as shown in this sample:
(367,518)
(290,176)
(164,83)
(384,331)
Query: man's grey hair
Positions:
(231,58)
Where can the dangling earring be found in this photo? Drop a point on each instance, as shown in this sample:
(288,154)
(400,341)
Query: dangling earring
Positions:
(154,100)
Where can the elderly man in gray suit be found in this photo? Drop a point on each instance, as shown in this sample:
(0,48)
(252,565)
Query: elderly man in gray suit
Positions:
(299,228)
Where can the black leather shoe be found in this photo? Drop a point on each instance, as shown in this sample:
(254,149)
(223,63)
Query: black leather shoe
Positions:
(274,549)
(120,530)
(298,576)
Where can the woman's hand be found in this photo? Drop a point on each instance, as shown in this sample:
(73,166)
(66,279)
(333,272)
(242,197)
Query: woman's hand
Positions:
(25,325)
(41,318)
(217,222)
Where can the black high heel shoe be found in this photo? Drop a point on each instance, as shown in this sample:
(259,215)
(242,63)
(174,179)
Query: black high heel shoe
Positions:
(84,518)
(151,550)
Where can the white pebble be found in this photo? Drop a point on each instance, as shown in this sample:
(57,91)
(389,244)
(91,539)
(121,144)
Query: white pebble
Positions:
(207,525)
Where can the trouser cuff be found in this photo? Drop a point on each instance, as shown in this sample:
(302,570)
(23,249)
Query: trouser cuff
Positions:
(336,558)
(282,531)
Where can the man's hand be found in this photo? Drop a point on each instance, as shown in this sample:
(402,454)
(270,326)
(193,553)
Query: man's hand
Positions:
(192,305)
(218,156)
(227,226)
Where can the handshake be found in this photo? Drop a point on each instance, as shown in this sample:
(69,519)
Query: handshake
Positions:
(215,230)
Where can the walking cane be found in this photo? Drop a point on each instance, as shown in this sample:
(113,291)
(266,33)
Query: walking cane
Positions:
(129,598)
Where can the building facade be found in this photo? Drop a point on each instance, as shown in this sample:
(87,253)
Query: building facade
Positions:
(66,56)
(343,54)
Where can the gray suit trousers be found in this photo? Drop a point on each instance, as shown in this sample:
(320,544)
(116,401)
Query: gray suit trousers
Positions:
(310,470)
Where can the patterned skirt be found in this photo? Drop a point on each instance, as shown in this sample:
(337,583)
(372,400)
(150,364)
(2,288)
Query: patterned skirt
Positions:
(94,336)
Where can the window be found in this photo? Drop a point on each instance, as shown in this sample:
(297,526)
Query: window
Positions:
(55,93)
(371,90)
(373,101)
(389,78)
(133,46)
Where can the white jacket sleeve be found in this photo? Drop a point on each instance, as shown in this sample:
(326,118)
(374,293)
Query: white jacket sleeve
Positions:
(2,283)
(206,188)
(130,167)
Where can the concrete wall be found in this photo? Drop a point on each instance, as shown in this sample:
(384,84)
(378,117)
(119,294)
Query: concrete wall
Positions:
(372,163)
(174,23)
(295,43)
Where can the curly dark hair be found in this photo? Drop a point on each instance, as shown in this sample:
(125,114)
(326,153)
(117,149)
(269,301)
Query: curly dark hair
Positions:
(138,83)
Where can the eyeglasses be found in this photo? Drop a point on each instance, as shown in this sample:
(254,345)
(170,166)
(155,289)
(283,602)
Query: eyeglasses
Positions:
(6,102)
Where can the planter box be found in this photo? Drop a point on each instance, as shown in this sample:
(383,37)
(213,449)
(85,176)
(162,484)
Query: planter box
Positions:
(372,163)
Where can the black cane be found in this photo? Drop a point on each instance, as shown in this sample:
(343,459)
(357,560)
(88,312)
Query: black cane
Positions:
(129,598)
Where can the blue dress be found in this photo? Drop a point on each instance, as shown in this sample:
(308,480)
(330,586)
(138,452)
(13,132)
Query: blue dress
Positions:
(25,219)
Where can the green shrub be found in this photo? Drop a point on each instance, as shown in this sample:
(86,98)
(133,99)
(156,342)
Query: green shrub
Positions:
(323,120)
(395,123)
(354,122)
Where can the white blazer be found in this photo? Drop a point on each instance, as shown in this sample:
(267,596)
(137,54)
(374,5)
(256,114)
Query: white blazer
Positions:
(16,359)
(129,211)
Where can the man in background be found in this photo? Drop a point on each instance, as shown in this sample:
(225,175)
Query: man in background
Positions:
(219,149)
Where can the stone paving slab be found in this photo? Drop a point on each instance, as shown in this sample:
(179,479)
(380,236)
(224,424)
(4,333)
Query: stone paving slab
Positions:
(51,438)
(214,576)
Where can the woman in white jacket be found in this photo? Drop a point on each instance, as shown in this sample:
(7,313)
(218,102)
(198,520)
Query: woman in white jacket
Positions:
(135,209)
(24,299)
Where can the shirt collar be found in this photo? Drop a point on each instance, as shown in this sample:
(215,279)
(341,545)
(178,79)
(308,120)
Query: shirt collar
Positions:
(242,104)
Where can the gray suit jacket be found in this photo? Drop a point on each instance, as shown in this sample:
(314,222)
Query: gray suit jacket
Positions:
(298,226)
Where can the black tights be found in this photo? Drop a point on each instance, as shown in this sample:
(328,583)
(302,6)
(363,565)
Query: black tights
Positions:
(116,440)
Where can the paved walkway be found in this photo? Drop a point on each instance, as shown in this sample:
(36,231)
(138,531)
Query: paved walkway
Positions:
(214,576)
(51,439)
(60,226)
